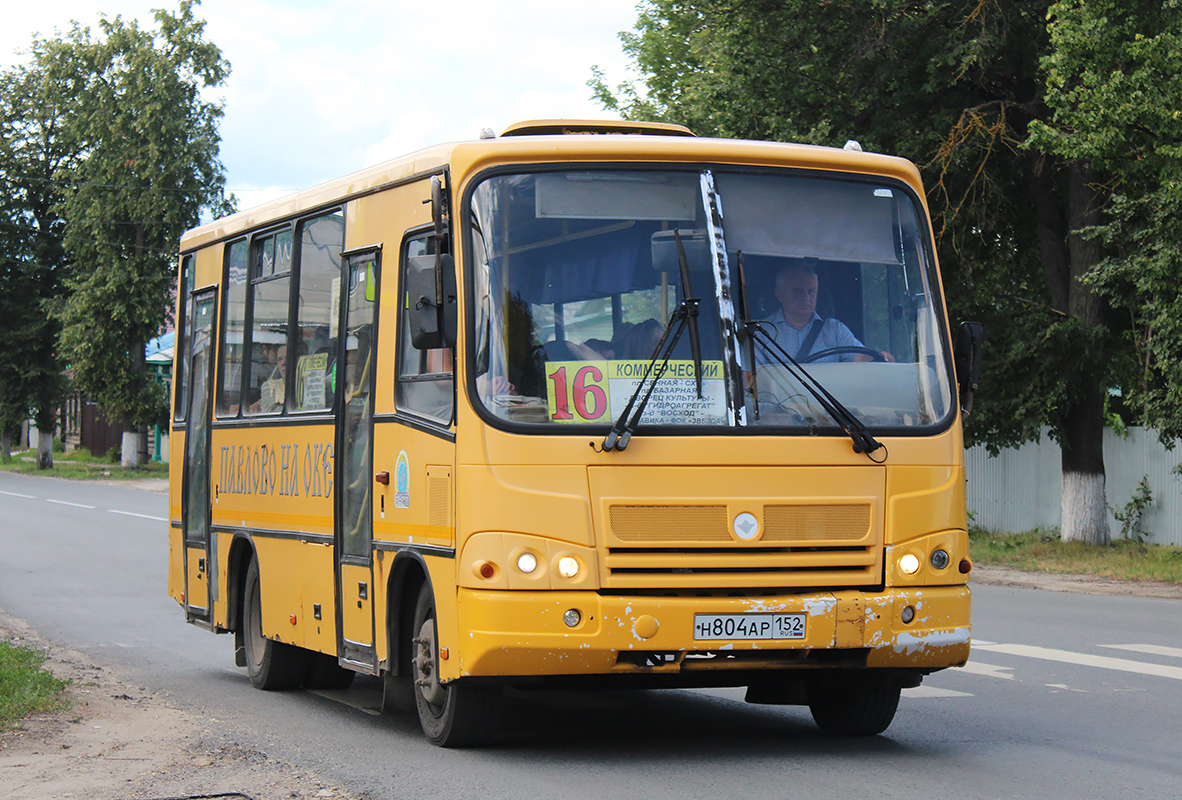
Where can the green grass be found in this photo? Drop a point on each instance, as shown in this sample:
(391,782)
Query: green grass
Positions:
(1043,551)
(81,465)
(26,688)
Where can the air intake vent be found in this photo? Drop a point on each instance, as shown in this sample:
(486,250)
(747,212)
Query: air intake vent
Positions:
(639,524)
(816,523)
(439,495)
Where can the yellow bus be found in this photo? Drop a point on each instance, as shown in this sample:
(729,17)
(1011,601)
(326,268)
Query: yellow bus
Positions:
(584,404)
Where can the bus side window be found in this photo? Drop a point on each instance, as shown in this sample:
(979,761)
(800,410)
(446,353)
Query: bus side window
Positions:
(233,329)
(425,383)
(267,341)
(319,284)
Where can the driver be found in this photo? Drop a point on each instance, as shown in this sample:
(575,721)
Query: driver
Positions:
(798,328)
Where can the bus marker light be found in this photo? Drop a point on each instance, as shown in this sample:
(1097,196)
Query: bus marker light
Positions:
(966,566)
(909,564)
(568,567)
(527,562)
(907,615)
(940,558)
(572,618)
(487,570)
(443,654)
(292,618)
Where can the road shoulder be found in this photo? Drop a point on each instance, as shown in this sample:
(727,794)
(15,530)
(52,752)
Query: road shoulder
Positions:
(1088,584)
(120,740)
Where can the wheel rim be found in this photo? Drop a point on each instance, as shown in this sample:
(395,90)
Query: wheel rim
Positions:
(426,669)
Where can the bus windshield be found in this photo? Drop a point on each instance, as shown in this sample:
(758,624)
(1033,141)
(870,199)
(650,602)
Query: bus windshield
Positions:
(578,271)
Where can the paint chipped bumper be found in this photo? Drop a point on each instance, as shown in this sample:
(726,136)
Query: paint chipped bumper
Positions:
(518,634)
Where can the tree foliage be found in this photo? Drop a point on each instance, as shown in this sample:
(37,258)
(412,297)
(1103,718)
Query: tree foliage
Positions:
(1048,137)
(35,151)
(149,141)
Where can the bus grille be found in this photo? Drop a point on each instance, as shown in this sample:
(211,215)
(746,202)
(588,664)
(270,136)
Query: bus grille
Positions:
(691,547)
(781,523)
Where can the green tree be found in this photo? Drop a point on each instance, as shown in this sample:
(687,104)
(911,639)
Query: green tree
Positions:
(150,143)
(1116,99)
(36,153)
(979,92)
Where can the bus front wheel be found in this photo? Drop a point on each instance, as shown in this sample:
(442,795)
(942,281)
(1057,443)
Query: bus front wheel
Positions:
(853,708)
(451,715)
(271,665)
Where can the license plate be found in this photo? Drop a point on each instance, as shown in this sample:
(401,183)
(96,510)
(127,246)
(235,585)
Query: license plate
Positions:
(749,626)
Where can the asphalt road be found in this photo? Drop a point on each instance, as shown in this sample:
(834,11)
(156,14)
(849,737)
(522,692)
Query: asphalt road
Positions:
(1066,695)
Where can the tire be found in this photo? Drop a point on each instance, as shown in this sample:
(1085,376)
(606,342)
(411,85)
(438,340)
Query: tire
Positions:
(454,714)
(324,672)
(853,708)
(271,665)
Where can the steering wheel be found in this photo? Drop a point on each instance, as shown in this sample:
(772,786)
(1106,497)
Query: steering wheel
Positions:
(835,351)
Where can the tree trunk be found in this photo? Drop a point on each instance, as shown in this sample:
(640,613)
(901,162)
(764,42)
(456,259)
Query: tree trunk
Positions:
(130,450)
(1085,508)
(44,448)
(46,420)
(5,445)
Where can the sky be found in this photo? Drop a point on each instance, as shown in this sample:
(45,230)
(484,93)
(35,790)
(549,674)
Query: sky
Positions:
(321,89)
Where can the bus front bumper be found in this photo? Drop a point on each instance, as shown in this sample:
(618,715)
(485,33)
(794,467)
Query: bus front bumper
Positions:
(511,634)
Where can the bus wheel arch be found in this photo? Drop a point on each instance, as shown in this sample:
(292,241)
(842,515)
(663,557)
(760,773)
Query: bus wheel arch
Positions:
(408,576)
(241,554)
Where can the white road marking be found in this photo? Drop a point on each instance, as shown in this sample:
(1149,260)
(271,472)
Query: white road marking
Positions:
(1064,687)
(133,514)
(1083,659)
(67,503)
(16,494)
(988,670)
(933,692)
(1148,649)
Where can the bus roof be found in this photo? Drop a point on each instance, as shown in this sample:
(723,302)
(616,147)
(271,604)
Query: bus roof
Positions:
(550,141)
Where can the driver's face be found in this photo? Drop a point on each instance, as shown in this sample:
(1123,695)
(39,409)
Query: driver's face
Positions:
(797,293)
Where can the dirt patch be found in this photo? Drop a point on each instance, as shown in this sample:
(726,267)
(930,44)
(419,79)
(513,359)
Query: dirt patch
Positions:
(1089,584)
(121,741)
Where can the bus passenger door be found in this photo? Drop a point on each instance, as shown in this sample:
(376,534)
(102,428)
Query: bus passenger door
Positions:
(354,464)
(200,575)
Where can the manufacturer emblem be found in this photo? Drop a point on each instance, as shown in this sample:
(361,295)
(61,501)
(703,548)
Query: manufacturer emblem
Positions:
(746,526)
(402,481)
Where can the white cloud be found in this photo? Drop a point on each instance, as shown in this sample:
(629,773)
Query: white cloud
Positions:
(319,90)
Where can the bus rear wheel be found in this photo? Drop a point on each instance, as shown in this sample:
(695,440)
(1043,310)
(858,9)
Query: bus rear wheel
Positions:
(853,708)
(271,665)
(451,715)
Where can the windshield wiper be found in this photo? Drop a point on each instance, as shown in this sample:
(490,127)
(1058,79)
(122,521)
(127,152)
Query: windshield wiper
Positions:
(684,316)
(687,292)
(744,335)
(863,441)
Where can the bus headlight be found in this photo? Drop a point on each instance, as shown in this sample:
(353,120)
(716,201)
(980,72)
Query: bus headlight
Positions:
(568,567)
(940,558)
(527,562)
(909,564)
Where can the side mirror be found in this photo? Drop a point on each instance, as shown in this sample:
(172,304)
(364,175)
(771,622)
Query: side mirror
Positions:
(967,360)
(431,295)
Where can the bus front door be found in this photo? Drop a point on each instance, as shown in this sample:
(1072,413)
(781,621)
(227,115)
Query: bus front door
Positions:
(354,465)
(200,575)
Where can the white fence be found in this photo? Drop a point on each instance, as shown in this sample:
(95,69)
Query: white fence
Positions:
(1021,489)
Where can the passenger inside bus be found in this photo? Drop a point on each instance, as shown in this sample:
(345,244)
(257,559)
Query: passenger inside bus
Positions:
(271,391)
